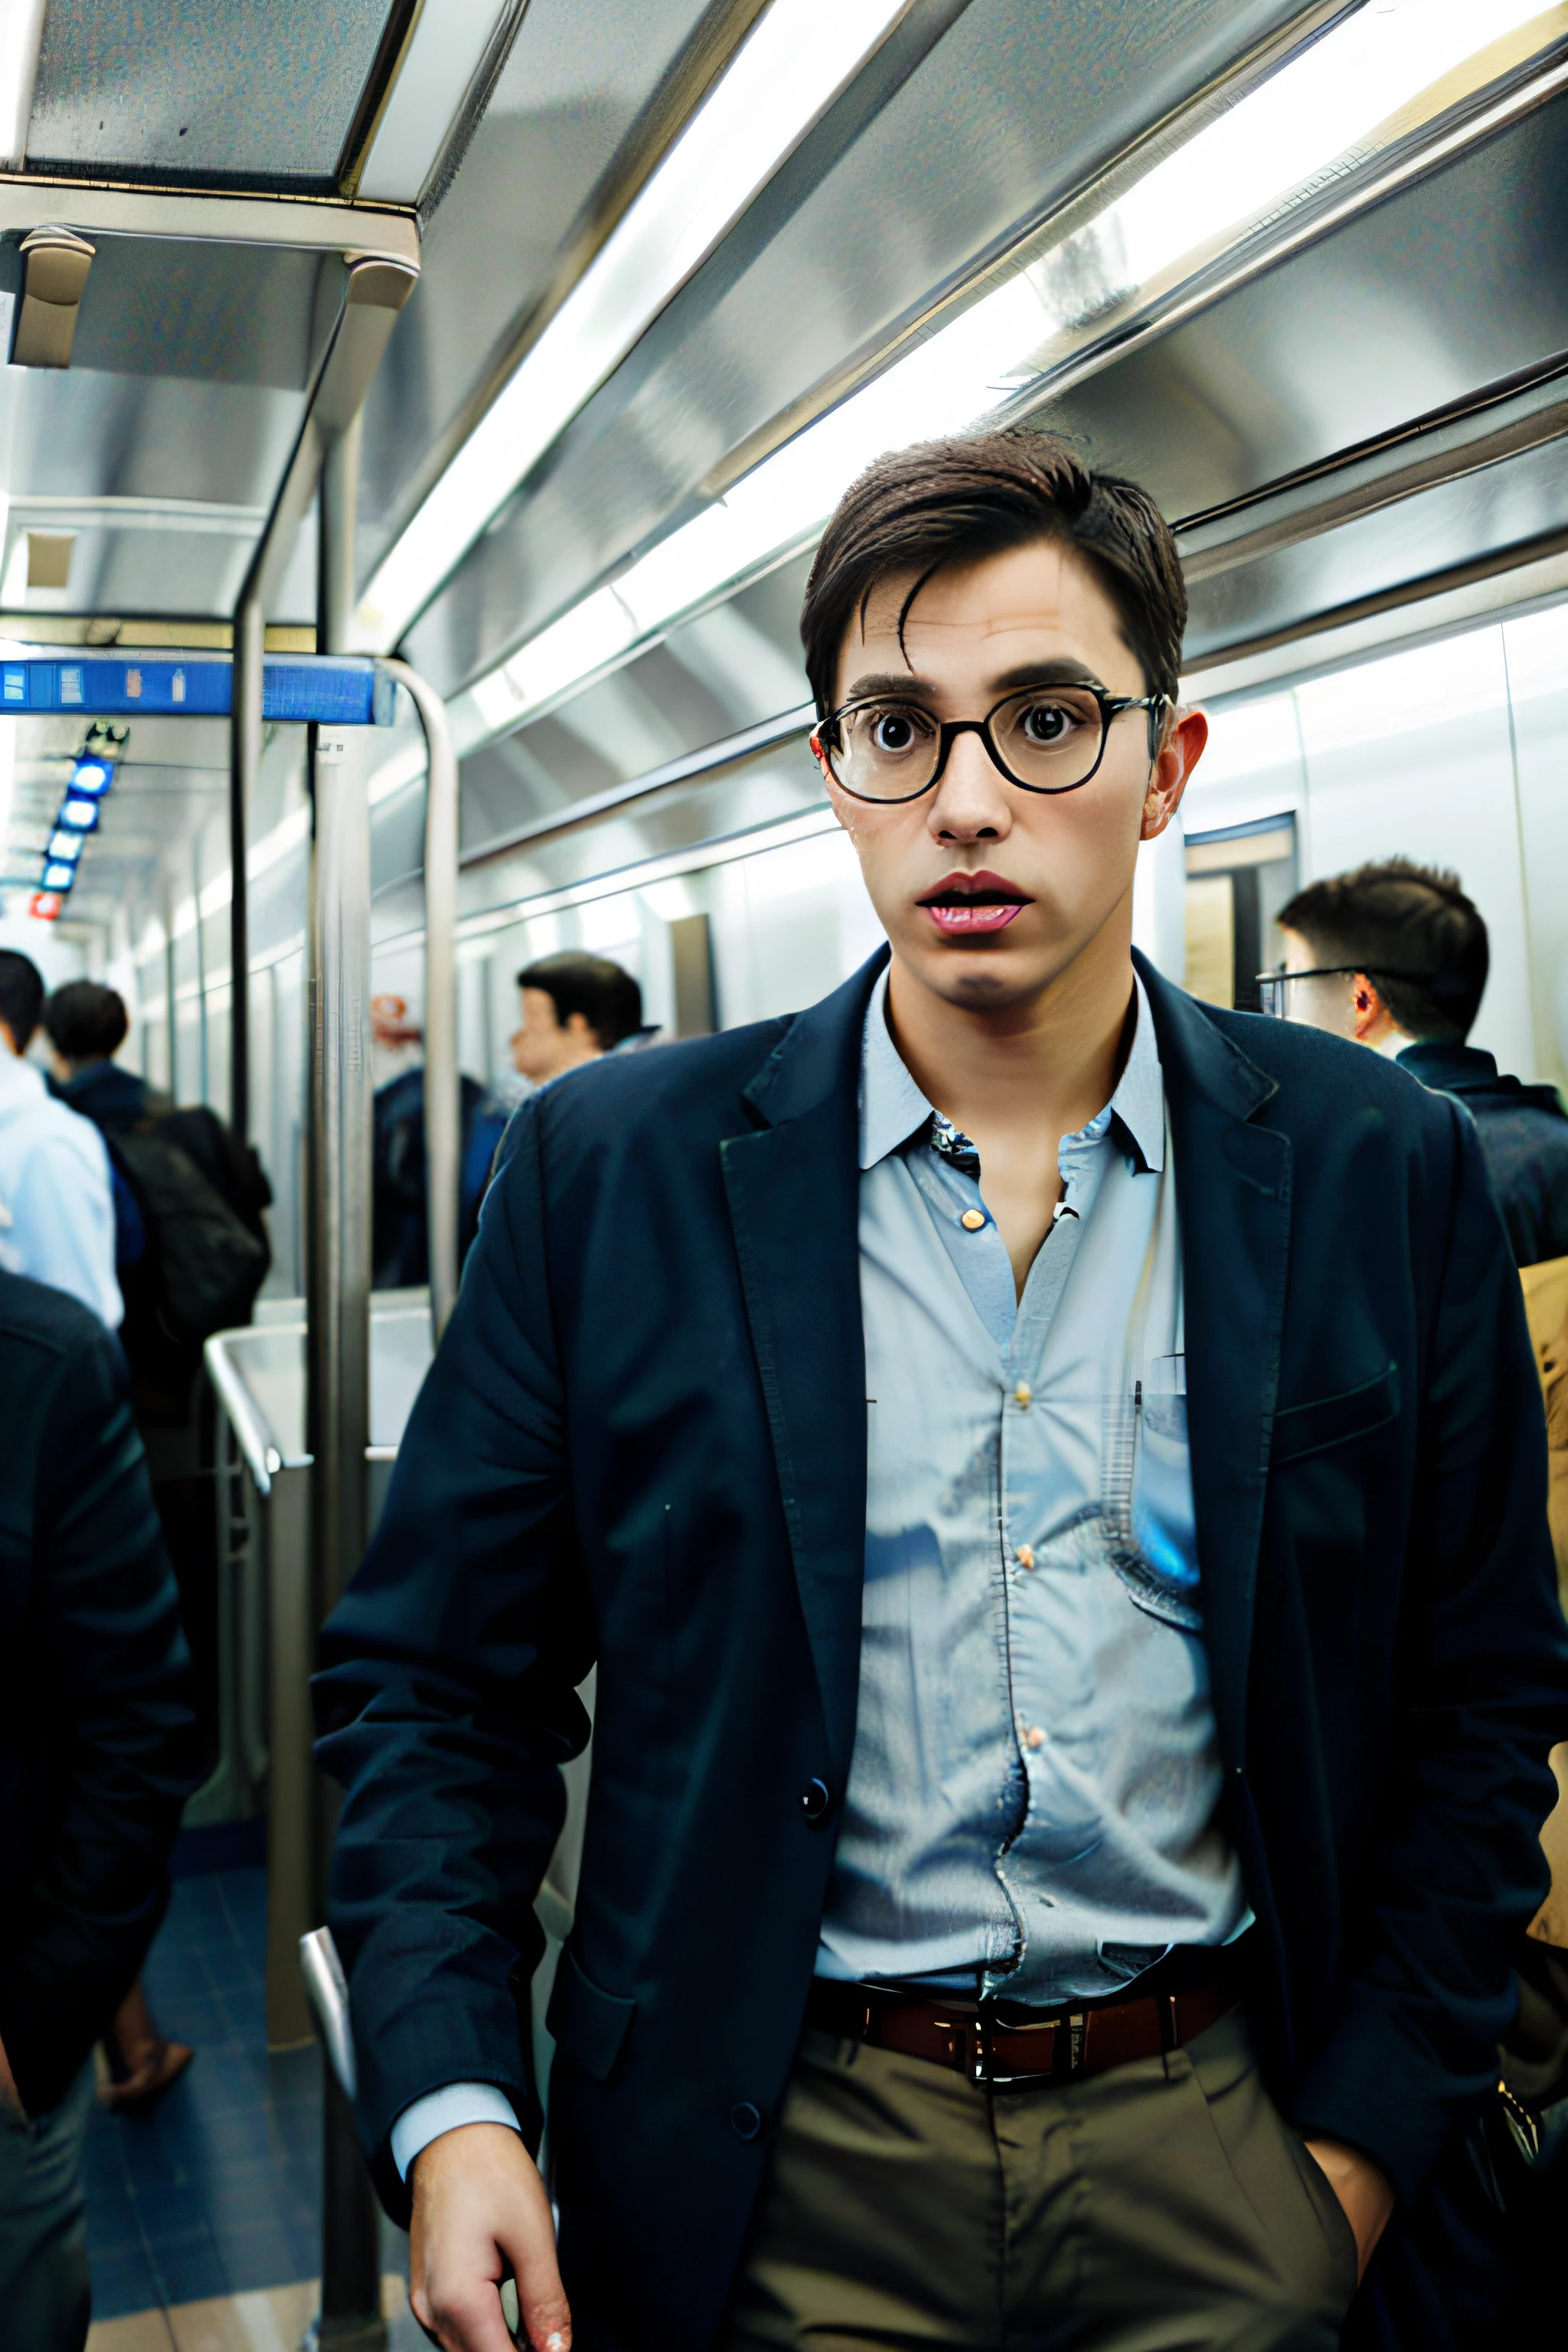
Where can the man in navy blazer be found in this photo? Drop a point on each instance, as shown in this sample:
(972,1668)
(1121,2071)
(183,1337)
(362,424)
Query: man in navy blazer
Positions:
(1074,1622)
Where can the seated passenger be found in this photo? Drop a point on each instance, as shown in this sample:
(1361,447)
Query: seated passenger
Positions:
(1057,1583)
(1396,956)
(97,1757)
(56,1197)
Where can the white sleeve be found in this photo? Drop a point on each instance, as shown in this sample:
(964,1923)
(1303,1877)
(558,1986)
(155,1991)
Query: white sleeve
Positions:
(443,2111)
(62,1210)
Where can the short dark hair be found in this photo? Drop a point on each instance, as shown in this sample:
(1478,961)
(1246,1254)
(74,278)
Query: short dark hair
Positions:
(608,998)
(86,1021)
(1392,920)
(957,500)
(21,996)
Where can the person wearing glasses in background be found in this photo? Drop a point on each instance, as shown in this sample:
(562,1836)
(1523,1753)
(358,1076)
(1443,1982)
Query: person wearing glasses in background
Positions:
(1057,1584)
(1395,956)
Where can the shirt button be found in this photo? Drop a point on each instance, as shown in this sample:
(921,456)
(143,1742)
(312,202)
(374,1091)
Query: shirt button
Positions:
(1034,1737)
(815,1800)
(1025,1555)
(745,2120)
(972,1220)
(1023,1395)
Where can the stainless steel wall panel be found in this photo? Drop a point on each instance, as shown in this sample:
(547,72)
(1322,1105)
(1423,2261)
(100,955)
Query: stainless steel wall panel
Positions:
(251,91)
(1507,506)
(713,808)
(728,670)
(868,219)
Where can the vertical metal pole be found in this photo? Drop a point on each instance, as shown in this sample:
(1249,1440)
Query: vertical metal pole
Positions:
(243,766)
(338,1268)
(443,1092)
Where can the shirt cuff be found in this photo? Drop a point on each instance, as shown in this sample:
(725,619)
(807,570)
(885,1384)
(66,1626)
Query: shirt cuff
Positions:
(443,2111)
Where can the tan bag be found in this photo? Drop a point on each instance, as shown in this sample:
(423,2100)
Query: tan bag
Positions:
(1546,1311)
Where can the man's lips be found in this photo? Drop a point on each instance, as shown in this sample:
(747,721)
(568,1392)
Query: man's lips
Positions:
(971,906)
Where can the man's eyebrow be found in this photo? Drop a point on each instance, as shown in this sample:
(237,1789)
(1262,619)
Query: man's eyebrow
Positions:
(877,683)
(1062,670)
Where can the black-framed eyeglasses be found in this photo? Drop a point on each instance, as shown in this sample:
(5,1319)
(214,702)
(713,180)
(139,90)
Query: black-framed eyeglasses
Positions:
(1045,738)
(1272,985)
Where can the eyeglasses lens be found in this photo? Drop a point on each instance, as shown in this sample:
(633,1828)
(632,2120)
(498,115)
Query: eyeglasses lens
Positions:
(1048,737)
(1271,987)
(885,751)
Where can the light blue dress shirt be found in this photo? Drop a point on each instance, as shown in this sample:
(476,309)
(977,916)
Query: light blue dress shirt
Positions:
(1033,1789)
(1032,1797)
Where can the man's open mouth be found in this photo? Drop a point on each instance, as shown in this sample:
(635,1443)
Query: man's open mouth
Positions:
(972,906)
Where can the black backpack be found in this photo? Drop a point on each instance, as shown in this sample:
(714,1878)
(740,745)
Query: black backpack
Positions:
(200,1201)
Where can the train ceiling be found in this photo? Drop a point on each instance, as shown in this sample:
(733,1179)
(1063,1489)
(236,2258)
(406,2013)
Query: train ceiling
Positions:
(1342,386)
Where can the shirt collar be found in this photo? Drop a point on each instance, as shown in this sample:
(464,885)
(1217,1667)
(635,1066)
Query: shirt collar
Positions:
(893,1107)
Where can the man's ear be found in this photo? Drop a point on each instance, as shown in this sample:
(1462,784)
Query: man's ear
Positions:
(1186,732)
(1370,1015)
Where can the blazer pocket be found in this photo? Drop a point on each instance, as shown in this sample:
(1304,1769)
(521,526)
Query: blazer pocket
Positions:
(1304,1429)
(589,2024)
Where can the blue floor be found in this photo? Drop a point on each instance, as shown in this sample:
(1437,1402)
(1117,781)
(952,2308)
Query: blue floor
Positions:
(215,2191)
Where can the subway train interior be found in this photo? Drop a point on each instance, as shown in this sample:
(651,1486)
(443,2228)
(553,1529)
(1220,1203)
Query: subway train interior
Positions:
(419,419)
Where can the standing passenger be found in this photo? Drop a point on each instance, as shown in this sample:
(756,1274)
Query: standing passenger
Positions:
(1037,1886)
(57,1200)
(576,1008)
(96,1758)
(1395,956)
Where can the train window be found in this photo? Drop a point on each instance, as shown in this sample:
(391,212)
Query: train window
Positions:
(1237,880)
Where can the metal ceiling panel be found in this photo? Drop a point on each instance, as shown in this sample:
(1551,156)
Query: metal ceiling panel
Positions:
(161,446)
(251,92)
(580,74)
(1460,281)
(900,190)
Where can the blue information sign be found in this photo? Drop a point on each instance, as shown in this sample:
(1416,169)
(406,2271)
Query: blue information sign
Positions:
(331,689)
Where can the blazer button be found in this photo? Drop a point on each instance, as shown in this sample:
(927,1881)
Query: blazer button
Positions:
(815,1800)
(745,2121)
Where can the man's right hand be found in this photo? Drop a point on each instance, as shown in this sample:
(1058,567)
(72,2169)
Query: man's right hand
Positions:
(480,2209)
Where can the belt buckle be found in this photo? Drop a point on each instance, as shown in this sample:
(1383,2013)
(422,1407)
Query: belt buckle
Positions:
(1068,2053)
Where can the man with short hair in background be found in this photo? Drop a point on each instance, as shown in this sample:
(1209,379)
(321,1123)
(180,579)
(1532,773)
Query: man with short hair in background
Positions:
(575,1007)
(56,1197)
(1396,956)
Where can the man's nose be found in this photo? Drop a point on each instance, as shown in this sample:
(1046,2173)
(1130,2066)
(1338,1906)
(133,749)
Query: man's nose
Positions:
(971,802)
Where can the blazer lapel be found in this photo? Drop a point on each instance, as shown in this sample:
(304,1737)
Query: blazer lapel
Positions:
(1233,1195)
(793,1188)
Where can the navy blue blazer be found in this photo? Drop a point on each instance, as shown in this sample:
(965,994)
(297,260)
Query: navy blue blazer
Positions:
(644,1441)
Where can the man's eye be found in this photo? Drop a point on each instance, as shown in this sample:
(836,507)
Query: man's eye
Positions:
(894,731)
(1047,722)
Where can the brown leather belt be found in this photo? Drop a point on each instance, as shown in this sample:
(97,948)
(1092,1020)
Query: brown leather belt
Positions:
(1063,2046)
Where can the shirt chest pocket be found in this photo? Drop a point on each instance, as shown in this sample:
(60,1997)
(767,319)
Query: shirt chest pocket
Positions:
(1303,1429)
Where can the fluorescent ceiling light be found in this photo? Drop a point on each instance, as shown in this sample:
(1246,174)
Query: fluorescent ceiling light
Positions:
(1378,72)
(21,30)
(793,64)
(449,42)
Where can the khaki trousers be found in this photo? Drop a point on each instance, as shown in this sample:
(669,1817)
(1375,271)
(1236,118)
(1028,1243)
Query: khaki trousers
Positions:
(1164,2204)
